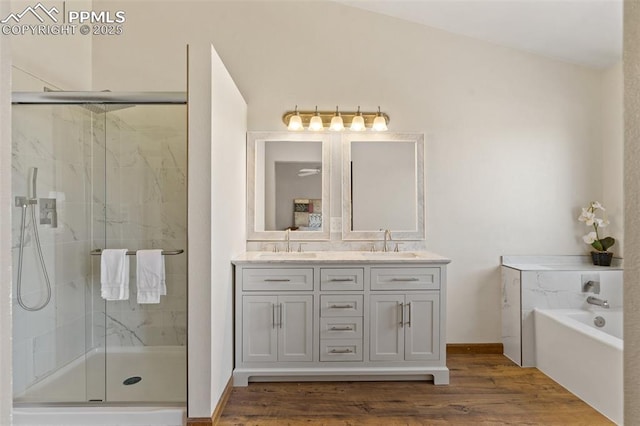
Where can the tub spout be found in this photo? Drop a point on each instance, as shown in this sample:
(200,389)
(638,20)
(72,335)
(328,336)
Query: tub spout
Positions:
(598,302)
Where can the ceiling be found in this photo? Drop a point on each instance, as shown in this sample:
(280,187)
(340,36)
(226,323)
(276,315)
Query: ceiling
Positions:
(586,32)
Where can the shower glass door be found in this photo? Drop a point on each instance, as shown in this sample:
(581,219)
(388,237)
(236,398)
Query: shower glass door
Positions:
(146,208)
(85,178)
(53,148)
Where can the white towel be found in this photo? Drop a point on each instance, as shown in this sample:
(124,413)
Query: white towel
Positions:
(114,274)
(150,276)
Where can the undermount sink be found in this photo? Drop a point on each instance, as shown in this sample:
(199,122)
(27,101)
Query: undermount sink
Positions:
(389,255)
(289,255)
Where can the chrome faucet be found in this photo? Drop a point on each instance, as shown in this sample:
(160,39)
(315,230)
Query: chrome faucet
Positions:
(598,302)
(387,238)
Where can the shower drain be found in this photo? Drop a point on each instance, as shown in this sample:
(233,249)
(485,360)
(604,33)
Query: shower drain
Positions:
(599,321)
(132,380)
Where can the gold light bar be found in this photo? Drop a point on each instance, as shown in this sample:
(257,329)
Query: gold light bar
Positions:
(347,117)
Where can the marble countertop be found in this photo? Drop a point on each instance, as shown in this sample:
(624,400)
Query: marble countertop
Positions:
(557,263)
(408,257)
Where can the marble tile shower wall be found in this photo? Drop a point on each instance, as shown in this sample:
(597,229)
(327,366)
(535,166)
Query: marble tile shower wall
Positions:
(143,169)
(57,141)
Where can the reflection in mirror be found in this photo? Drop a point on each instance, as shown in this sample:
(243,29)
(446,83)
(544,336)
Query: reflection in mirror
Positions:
(294,185)
(383,186)
(287,176)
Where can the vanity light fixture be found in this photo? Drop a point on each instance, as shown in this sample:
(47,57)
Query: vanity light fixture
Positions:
(336,122)
(379,123)
(315,120)
(315,123)
(295,122)
(357,124)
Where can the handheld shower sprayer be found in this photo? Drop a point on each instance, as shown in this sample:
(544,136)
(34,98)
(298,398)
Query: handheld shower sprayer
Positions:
(27,203)
(31,183)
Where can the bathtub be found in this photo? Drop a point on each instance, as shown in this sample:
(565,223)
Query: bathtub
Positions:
(163,369)
(584,358)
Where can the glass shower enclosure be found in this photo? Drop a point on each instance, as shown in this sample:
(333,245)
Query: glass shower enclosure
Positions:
(93,171)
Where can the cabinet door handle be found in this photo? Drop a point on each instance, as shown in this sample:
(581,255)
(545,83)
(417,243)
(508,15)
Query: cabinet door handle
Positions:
(341,280)
(401,305)
(341,328)
(281,316)
(409,306)
(273,315)
(277,280)
(405,279)
(340,351)
(341,306)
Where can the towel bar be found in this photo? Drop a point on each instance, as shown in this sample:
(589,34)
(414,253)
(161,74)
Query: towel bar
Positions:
(98,252)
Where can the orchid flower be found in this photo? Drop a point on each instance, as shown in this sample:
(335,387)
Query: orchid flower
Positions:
(588,216)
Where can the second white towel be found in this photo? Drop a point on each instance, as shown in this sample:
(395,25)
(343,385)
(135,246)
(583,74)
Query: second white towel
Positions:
(150,276)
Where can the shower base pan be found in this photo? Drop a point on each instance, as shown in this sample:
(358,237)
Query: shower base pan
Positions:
(155,374)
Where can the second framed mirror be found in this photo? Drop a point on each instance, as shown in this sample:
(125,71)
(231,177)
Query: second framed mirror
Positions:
(383,186)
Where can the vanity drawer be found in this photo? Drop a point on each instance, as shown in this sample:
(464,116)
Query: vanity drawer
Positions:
(341,328)
(405,278)
(266,279)
(341,350)
(341,279)
(341,305)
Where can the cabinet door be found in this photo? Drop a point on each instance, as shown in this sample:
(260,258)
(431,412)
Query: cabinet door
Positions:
(387,328)
(295,328)
(422,327)
(259,332)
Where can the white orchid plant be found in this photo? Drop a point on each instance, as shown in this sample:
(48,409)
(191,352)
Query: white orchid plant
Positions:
(589,217)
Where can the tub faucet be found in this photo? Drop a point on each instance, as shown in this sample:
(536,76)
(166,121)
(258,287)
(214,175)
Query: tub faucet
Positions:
(598,302)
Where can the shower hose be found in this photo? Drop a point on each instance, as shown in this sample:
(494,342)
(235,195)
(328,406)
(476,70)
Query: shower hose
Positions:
(26,206)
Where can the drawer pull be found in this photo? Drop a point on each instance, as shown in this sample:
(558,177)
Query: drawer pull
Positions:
(405,279)
(341,306)
(341,328)
(340,351)
(277,280)
(342,280)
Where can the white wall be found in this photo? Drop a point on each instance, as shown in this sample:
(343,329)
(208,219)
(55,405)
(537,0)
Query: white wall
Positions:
(216,218)
(62,61)
(512,138)
(228,214)
(612,153)
(631,60)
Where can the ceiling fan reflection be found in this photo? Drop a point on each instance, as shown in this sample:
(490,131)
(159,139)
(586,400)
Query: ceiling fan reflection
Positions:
(309,172)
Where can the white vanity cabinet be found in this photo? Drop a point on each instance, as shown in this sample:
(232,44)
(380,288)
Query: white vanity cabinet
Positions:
(339,316)
(277,328)
(405,327)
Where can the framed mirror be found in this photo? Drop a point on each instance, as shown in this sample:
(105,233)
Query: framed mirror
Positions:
(383,186)
(288,178)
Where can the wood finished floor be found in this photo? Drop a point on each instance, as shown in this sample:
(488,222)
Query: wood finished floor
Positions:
(484,389)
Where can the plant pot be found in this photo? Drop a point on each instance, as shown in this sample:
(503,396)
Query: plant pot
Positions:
(601,258)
